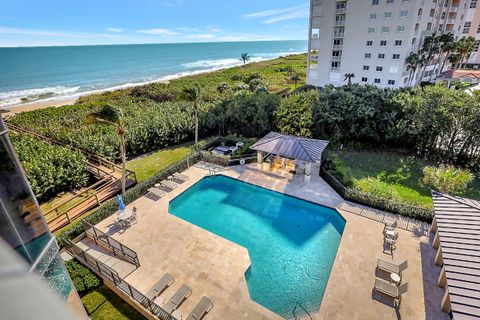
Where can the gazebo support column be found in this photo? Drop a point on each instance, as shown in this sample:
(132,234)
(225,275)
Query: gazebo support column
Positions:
(436,240)
(446,304)
(439,257)
(442,278)
(308,171)
(260,157)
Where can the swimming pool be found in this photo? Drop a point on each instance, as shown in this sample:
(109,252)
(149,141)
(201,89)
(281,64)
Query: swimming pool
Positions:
(292,243)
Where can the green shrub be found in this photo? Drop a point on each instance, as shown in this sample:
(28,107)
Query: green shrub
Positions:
(50,169)
(83,278)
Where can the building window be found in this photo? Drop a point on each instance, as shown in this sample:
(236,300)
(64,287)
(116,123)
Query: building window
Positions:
(477,45)
(369,43)
(391,82)
(403,13)
(376,80)
(385,29)
(387,15)
(364,79)
(473,4)
(338,42)
(335,65)
(440,27)
(395,56)
(466,26)
(375,2)
(383,43)
(398,43)
(400,28)
(429,26)
(373,16)
(336,53)
(381,56)
(390,1)
(478,29)
(432,13)
(366,68)
(368,55)
(379,68)
(371,29)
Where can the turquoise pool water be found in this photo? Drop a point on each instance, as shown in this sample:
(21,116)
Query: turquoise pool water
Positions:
(292,243)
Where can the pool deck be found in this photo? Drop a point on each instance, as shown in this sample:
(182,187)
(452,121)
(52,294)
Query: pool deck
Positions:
(215,267)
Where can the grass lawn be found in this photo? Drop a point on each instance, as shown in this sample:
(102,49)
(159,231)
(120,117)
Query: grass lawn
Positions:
(393,175)
(103,303)
(148,165)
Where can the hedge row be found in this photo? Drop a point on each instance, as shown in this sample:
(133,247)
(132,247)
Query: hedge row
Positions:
(376,202)
(83,278)
(110,206)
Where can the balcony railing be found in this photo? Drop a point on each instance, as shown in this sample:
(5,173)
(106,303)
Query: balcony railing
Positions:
(340,23)
(337,47)
(341,10)
(336,58)
(334,68)
(339,34)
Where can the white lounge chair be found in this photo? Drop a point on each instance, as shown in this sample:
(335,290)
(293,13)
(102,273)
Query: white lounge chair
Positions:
(390,267)
(157,192)
(180,176)
(391,290)
(177,299)
(166,281)
(202,308)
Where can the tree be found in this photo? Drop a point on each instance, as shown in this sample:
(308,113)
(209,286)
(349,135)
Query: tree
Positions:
(349,77)
(113,116)
(447,179)
(448,45)
(454,60)
(412,61)
(295,78)
(193,94)
(430,47)
(245,58)
(465,48)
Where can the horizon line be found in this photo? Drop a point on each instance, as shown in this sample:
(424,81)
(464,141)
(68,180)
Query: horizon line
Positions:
(147,43)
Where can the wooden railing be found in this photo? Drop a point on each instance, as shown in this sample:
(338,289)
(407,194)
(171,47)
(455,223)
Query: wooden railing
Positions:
(109,274)
(117,248)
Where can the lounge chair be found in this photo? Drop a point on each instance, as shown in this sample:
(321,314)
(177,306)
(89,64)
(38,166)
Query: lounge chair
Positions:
(391,290)
(155,191)
(390,226)
(390,267)
(166,281)
(176,300)
(204,306)
(169,184)
(180,176)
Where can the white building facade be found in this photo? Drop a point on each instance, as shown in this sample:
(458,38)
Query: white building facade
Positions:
(372,38)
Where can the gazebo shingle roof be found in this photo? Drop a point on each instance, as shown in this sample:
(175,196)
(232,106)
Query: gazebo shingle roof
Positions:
(458,223)
(291,146)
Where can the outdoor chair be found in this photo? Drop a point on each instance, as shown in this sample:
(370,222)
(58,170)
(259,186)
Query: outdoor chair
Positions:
(169,184)
(180,176)
(391,290)
(391,234)
(157,192)
(390,267)
(166,281)
(202,308)
(177,299)
(390,226)
(133,217)
(391,243)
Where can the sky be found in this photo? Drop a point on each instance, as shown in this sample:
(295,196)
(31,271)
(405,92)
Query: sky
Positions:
(94,22)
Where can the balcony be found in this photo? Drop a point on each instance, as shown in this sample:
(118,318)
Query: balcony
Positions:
(335,68)
(338,34)
(341,10)
(340,23)
(453,9)
(336,58)
(337,47)
(451,21)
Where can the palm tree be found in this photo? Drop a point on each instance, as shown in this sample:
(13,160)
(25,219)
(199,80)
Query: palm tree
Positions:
(244,57)
(412,61)
(113,116)
(349,77)
(295,78)
(465,48)
(448,45)
(430,47)
(447,179)
(454,60)
(193,93)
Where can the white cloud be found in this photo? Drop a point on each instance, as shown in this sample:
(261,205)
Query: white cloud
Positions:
(276,15)
(114,30)
(159,31)
(212,29)
(200,36)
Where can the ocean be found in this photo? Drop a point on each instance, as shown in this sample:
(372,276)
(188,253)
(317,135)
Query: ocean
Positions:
(56,73)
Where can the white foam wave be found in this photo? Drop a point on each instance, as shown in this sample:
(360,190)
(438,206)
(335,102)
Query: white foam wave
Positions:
(22,96)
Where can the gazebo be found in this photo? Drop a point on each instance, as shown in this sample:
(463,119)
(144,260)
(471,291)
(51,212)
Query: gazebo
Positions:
(290,152)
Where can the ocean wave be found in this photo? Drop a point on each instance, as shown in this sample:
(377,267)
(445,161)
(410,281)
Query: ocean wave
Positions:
(29,95)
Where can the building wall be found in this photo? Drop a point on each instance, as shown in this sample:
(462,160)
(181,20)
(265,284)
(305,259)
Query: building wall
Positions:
(397,27)
(473,19)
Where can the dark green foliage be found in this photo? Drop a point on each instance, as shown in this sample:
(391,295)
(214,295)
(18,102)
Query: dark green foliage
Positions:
(83,278)
(50,169)
(295,114)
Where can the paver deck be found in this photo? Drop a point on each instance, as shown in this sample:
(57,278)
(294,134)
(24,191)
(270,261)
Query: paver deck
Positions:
(215,267)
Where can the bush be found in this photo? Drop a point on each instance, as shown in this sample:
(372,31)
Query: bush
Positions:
(83,278)
(49,168)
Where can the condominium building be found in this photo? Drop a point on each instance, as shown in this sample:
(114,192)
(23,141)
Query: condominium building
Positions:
(471,27)
(372,38)
(24,230)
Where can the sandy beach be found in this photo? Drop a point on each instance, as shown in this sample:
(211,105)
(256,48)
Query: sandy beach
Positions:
(37,105)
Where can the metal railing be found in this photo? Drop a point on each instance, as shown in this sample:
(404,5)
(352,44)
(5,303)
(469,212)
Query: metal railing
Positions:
(116,247)
(109,274)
